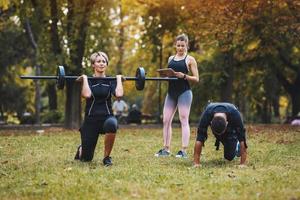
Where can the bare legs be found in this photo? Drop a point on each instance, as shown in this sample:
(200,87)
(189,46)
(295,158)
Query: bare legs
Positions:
(109,141)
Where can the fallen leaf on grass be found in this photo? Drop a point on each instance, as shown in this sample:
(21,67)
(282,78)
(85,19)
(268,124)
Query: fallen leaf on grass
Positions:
(68,169)
(4,162)
(44,183)
(231,174)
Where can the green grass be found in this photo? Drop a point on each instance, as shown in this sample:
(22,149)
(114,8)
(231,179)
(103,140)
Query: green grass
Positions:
(41,166)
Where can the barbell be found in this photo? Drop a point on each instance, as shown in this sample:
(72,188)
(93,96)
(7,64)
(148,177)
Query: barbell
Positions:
(140,78)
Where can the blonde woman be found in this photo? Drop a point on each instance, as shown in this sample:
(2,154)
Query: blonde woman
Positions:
(99,118)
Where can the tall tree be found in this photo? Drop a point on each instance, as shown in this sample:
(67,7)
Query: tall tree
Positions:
(65,44)
(121,38)
(56,50)
(158,27)
(12,57)
(277,27)
(77,26)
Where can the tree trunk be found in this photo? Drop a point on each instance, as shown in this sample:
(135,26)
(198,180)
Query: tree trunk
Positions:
(293,89)
(275,103)
(227,86)
(52,96)
(241,102)
(266,113)
(37,96)
(119,65)
(37,73)
(258,113)
(56,50)
(77,48)
(73,105)
(295,96)
(272,92)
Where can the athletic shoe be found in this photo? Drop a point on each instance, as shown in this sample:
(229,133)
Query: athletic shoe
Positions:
(162,153)
(107,161)
(238,149)
(181,154)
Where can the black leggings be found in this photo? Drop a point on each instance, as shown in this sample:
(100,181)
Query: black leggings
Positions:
(90,130)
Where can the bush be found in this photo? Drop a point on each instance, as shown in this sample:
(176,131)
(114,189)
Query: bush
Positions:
(27,119)
(51,117)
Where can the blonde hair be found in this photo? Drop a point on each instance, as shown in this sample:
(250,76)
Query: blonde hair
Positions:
(183,37)
(99,53)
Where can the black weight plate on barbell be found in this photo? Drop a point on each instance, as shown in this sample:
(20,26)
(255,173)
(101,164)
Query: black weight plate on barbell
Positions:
(140,81)
(60,81)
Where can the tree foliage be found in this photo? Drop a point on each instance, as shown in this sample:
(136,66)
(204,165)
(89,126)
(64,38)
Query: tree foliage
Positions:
(247,51)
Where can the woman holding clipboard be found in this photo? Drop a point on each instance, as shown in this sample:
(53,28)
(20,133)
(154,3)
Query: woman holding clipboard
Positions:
(184,67)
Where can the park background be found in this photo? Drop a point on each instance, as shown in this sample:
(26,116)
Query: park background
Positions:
(247,53)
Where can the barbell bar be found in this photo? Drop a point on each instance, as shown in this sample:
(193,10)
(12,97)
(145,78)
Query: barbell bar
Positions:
(61,78)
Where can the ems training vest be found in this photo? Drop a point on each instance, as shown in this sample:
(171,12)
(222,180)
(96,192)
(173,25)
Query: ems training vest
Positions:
(99,104)
(178,87)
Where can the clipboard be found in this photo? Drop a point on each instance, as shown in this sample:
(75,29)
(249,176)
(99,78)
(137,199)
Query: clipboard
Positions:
(166,72)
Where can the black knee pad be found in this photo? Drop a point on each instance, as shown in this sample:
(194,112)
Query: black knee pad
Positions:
(229,157)
(110,125)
